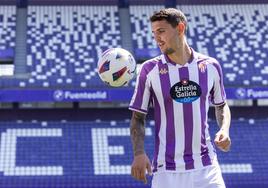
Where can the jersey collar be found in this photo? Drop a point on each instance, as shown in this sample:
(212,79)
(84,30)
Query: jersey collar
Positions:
(165,59)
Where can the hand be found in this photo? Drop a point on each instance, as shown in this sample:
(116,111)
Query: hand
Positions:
(140,164)
(222,140)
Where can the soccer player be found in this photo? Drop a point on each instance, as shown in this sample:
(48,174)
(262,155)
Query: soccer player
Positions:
(180,83)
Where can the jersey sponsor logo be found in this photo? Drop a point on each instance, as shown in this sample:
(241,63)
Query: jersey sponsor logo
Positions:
(185,91)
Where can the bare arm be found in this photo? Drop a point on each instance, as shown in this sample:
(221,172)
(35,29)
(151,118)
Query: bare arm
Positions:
(137,131)
(223,116)
(141,162)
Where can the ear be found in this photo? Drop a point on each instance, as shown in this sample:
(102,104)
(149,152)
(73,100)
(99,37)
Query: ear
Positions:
(181,28)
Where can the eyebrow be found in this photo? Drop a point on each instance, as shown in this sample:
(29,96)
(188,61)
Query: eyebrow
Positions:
(158,29)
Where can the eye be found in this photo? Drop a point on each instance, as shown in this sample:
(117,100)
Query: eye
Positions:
(158,32)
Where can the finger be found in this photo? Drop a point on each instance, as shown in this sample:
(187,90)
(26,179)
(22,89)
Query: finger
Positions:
(222,143)
(149,169)
(225,149)
(225,146)
(222,147)
(225,141)
(224,138)
(216,140)
(134,173)
(144,180)
(142,176)
(228,147)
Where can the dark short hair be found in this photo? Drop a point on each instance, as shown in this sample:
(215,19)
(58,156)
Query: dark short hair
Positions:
(171,15)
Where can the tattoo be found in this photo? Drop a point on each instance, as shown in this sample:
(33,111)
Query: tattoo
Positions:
(137,131)
(223,116)
(219,114)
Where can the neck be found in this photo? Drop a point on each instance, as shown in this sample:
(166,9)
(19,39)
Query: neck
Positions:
(181,55)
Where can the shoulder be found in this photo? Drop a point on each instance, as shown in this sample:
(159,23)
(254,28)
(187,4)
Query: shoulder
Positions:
(210,62)
(201,58)
(150,64)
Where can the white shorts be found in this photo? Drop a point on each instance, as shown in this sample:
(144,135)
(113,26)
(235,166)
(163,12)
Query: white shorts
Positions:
(208,177)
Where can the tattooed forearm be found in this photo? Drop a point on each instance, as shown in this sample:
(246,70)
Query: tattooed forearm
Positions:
(137,131)
(219,114)
(223,116)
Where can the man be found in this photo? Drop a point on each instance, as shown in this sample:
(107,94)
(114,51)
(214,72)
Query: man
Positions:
(180,83)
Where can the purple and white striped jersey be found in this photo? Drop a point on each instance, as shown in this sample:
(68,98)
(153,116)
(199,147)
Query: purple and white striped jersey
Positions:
(181,96)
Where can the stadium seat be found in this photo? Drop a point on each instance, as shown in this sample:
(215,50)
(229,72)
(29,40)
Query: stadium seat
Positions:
(7,27)
(234,34)
(64,42)
(98,153)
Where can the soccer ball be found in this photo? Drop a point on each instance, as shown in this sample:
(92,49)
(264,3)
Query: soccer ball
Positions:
(116,67)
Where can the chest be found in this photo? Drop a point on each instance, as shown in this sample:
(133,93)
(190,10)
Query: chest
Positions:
(184,85)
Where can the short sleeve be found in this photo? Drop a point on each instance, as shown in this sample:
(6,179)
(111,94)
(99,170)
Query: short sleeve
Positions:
(141,96)
(217,94)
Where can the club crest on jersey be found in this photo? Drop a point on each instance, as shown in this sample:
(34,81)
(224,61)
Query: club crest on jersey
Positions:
(185,91)
(202,67)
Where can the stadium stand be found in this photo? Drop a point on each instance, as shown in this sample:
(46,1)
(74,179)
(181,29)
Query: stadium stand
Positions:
(64,43)
(61,53)
(7,27)
(141,27)
(98,154)
(146,2)
(8,2)
(83,142)
(234,34)
(218,2)
(72,2)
